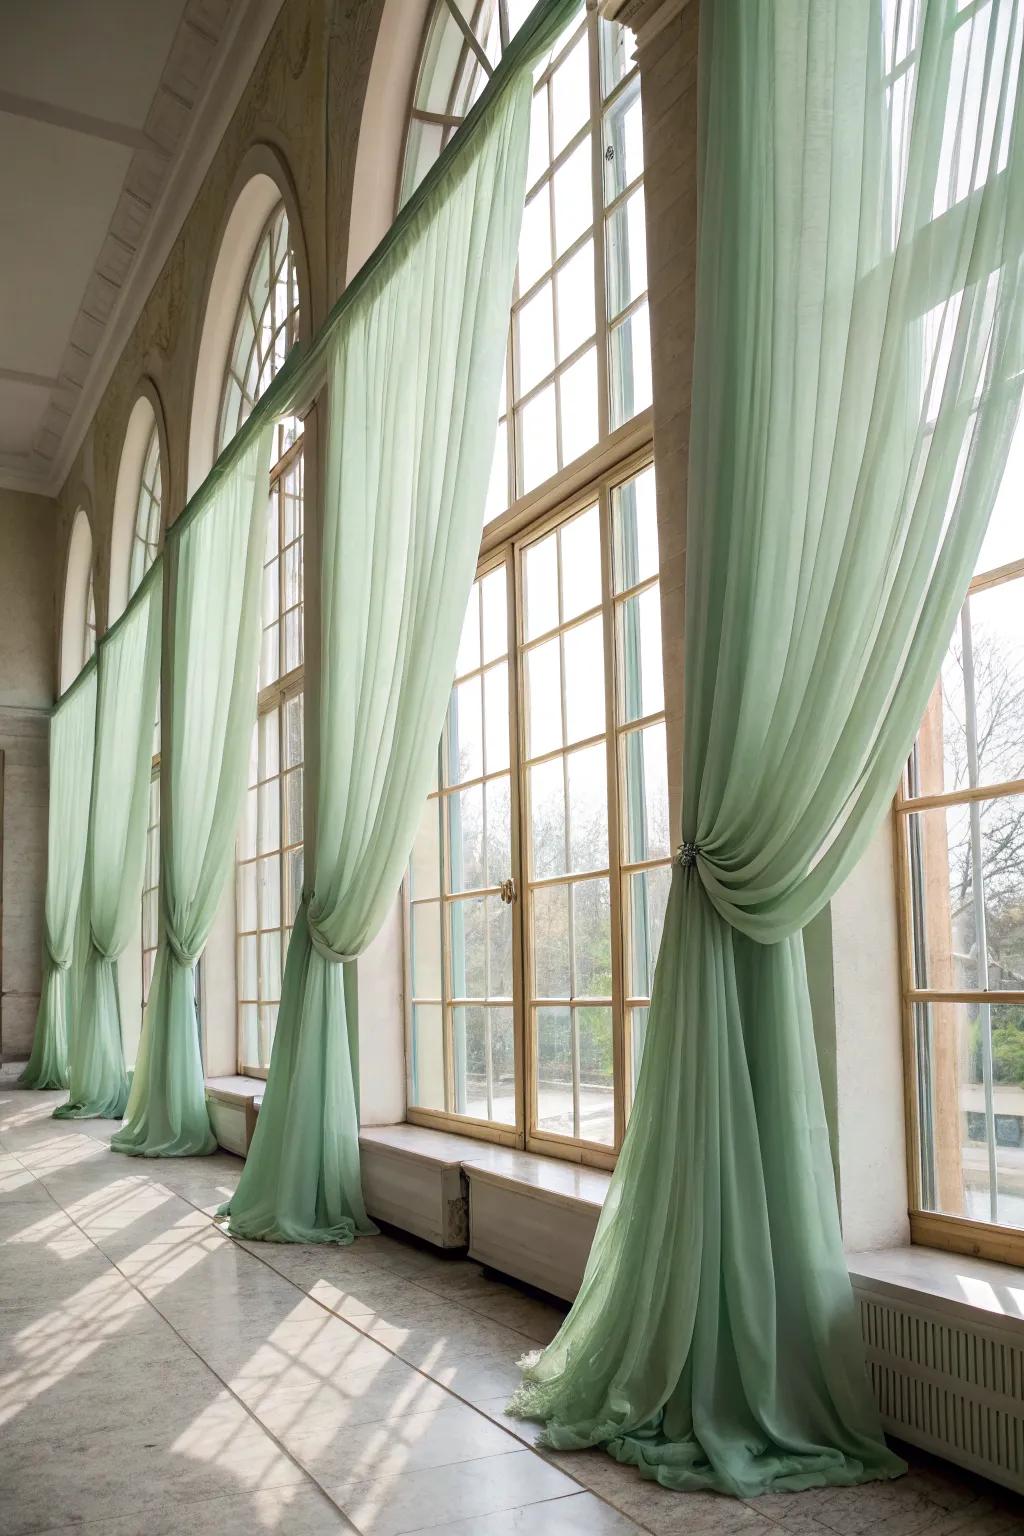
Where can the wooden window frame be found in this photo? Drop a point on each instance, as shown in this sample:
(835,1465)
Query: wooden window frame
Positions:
(928,1227)
(505,546)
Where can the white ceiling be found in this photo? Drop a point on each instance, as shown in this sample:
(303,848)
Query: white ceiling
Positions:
(109,109)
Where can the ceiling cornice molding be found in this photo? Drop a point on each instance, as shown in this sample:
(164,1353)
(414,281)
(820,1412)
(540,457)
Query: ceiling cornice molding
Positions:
(110,309)
(37,111)
(644,18)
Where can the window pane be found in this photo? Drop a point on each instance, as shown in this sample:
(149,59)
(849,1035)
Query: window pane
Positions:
(591,913)
(634,530)
(626,246)
(426,949)
(584,680)
(538,440)
(574,203)
(581,563)
(468,658)
(540,138)
(496,725)
(961,1130)
(426,1067)
(541,582)
(645,819)
(570,94)
(466,838)
(588,809)
(544,697)
(497,798)
(630,363)
(984,668)
(641,673)
(574,299)
(967,880)
(535,337)
(247,899)
(499,947)
(646,899)
(597,1057)
(468,948)
(535,239)
(554,1072)
(551,973)
(547,820)
(484,1066)
(577,395)
(465,732)
(494,606)
(293,750)
(624,137)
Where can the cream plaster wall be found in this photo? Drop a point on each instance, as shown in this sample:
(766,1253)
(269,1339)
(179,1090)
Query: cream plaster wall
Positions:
(28,581)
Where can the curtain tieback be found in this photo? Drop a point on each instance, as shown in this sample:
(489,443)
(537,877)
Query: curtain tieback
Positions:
(686,855)
(316,938)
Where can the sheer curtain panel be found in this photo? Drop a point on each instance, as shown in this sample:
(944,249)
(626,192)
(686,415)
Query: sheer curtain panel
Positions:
(128,676)
(856,384)
(213,570)
(414,377)
(72,730)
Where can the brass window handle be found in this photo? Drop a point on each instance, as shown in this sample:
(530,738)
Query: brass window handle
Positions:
(507,891)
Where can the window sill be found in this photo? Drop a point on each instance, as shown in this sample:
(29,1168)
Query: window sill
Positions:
(972,1290)
(969,1290)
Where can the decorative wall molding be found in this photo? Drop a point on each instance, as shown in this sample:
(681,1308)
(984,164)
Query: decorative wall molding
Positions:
(644,18)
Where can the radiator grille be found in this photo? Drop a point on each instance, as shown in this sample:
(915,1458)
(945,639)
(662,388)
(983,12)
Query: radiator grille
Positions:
(951,1388)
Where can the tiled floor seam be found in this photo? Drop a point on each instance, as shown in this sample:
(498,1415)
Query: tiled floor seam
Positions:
(348,1524)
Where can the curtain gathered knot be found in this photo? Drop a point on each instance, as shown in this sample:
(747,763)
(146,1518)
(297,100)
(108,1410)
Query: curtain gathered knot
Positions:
(183,956)
(317,937)
(686,855)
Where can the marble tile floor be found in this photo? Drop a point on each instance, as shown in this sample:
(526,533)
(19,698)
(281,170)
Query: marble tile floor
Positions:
(156,1376)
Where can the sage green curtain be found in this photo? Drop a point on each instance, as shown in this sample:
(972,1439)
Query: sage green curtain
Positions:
(71,751)
(128,675)
(856,383)
(213,570)
(413,391)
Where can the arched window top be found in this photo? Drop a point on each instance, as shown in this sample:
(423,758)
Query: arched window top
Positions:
(266,325)
(146,537)
(137,523)
(578,367)
(78,621)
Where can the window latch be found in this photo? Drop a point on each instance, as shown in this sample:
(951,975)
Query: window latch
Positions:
(507,891)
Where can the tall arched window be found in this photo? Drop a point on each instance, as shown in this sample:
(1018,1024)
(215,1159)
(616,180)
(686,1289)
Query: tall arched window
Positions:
(78,620)
(270,849)
(146,535)
(578,366)
(538,882)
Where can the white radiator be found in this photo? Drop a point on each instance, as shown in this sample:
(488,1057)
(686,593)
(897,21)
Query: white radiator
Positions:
(952,1385)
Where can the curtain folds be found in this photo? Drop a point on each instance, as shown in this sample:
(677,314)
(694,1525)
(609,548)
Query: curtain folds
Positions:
(213,572)
(72,732)
(413,392)
(859,350)
(128,675)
